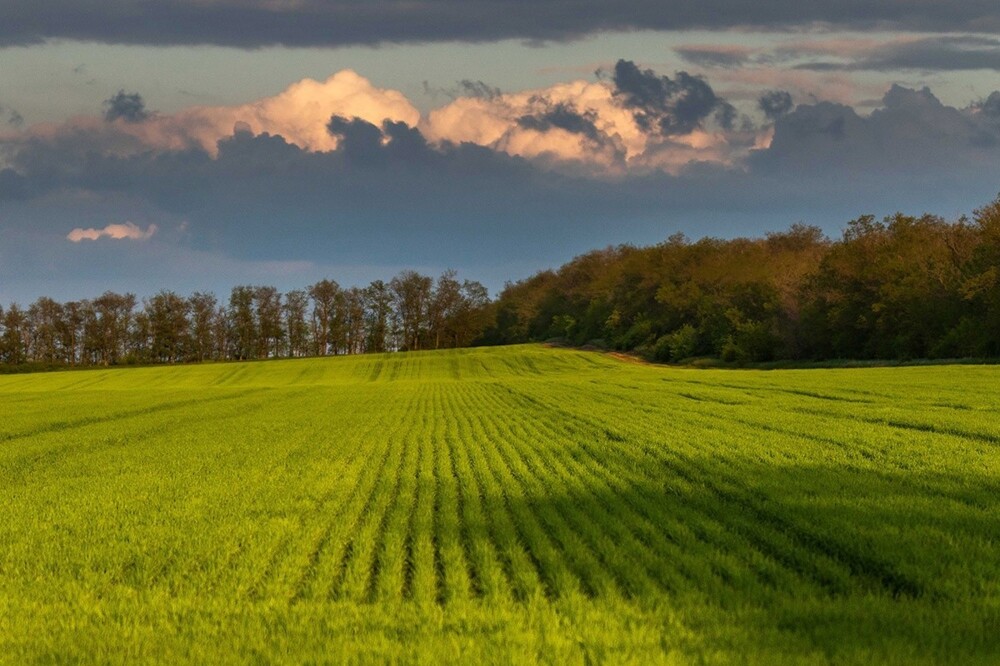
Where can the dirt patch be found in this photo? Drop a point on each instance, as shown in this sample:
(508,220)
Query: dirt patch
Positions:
(628,358)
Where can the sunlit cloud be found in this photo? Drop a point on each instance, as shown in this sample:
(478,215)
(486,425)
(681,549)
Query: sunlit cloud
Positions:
(126,231)
(299,114)
(576,126)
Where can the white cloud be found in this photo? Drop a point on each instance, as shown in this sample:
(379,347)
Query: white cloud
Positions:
(494,123)
(605,139)
(299,113)
(126,231)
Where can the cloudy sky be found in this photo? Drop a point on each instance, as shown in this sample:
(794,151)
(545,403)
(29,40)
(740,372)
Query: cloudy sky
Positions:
(198,144)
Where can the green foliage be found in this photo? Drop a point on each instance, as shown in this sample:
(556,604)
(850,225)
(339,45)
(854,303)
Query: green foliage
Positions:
(258,322)
(514,505)
(900,288)
(676,346)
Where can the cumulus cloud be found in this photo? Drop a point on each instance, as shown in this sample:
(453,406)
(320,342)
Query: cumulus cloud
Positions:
(256,23)
(662,105)
(126,231)
(577,122)
(775,103)
(391,195)
(990,107)
(637,120)
(911,132)
(129,107)
(565,117)
(635,124)
(299,114)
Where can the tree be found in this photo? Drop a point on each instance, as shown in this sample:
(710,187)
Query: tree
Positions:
(71,332)
(443,308)
(353,320)
(202,332)
(109,330)
(473,315)
(169,327)
(296,328)
(411,296)
(324,296)
(242,324)
(379,313)
(270,326)
(14,344)
(45,323)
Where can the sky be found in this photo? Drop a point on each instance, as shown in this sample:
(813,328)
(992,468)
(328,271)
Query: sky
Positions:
(193,145)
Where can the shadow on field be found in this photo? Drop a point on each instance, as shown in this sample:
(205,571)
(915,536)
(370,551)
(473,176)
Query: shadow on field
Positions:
(759,532)
(857,565)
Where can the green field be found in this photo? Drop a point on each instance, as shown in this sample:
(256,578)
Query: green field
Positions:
(518,504)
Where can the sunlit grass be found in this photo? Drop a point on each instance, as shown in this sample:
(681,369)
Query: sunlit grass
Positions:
(515,504)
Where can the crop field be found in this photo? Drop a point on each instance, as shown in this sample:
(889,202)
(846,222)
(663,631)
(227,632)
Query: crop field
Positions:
(507,505)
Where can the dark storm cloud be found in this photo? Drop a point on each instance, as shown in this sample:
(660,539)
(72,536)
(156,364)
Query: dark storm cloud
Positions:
(990,107)
(660,104)
(775,103)
(255,23)
(358,140)
(387,197)
(725,115)
(563,116)
(129,107)
(912,132)
(946,53)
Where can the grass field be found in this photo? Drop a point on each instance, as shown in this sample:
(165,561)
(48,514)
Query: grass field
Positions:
(518,504)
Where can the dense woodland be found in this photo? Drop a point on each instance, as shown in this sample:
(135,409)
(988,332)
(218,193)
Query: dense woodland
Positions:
(901,288)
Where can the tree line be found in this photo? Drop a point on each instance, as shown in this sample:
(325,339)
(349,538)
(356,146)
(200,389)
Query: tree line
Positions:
(410,312)
(903,287)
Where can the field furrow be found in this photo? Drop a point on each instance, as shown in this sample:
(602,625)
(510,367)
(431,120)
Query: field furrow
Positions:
(507,505)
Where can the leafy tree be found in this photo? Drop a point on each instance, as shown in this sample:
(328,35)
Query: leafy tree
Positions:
(411,293)
(108,331)
(202,334)
(169,328)
(379,316)
(296,308)
(241,317)
(14,346)
(270,326)
(324,295)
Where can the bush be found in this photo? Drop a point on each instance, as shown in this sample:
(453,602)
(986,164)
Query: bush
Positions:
(677,345)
